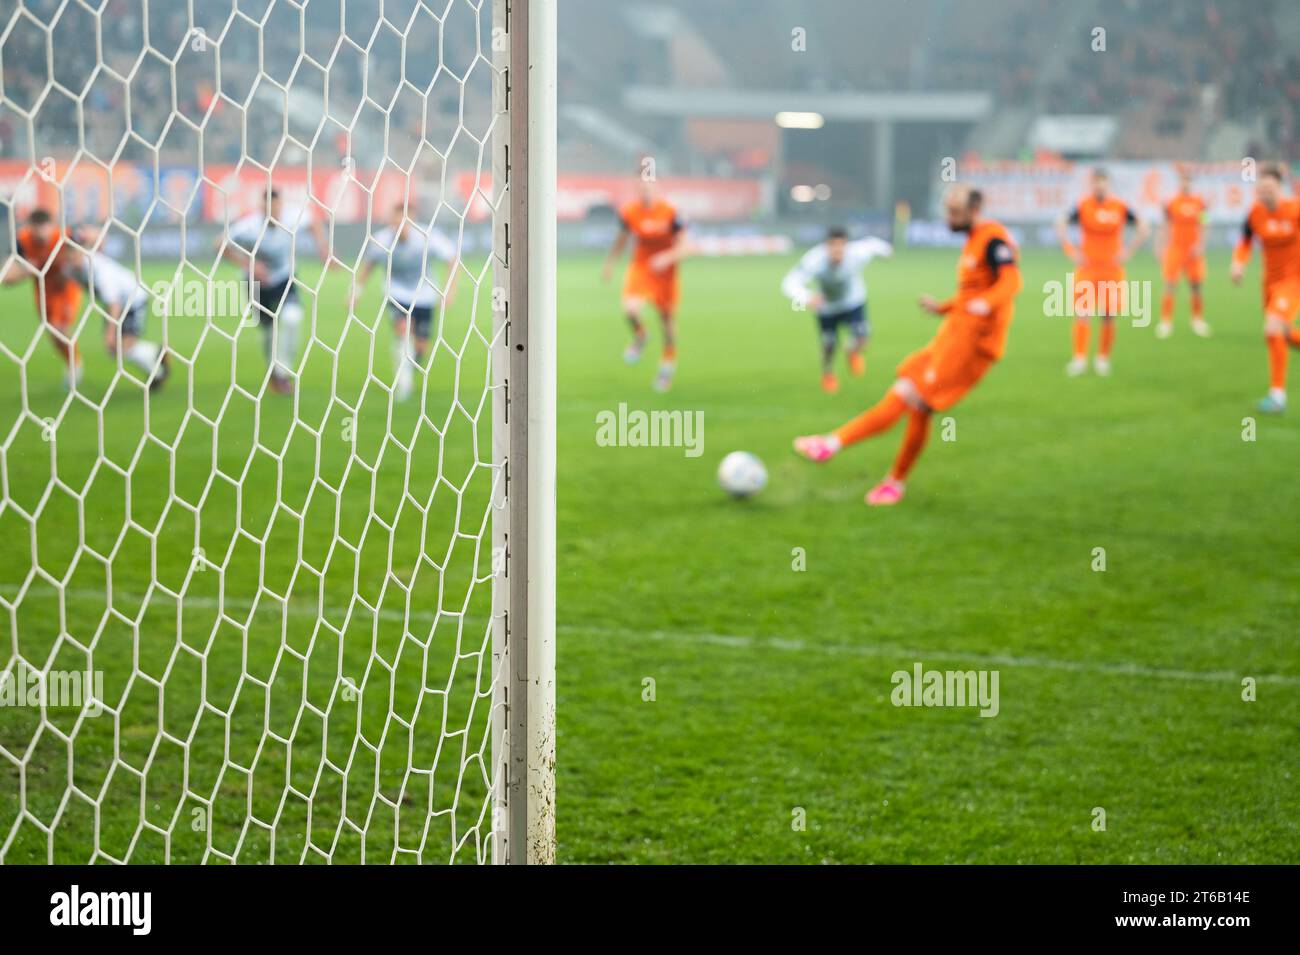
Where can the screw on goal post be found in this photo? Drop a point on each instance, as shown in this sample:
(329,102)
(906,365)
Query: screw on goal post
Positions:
(524,163)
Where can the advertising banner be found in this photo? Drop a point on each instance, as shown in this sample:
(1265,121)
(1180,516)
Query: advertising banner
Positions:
(226,192)
(1037,192)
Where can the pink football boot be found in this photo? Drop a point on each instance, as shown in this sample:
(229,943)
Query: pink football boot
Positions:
(815,447)
(885,493)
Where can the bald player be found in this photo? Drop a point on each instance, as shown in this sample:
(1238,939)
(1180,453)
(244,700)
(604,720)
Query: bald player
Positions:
(45,255)
(969,342)
(1099,259)
(656,229)
(1274,220)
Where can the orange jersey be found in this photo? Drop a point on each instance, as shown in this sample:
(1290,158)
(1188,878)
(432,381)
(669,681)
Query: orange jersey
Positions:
(967,345)
(987,270)
(1278,232)
(1184,213)
(1101,225)
(654,227)
(49,257)
(58,296)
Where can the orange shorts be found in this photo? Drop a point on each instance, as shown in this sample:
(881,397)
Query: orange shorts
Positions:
(951,365)
(1178,262)
(1099,290)
(659,288)
(1282,299)
(62,306)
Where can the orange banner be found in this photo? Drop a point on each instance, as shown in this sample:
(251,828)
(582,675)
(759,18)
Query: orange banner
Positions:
(90,191)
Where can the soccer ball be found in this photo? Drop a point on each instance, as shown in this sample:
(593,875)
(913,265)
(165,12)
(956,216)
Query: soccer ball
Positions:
(741,474)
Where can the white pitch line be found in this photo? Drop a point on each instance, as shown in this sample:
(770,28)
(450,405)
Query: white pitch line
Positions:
(746,642)
(888,650)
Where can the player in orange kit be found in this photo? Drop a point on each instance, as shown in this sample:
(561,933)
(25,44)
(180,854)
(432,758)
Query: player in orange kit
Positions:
(45,256)
(969,342)
(1183,242)
(1099,279)
(1274,220)
(657,232)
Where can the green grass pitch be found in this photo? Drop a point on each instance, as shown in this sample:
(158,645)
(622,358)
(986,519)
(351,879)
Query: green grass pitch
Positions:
(1119,690)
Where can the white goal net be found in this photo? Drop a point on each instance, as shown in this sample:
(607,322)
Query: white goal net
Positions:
(265,460)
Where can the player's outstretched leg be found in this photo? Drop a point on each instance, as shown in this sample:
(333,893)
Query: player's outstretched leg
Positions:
(881,416)
(890,489)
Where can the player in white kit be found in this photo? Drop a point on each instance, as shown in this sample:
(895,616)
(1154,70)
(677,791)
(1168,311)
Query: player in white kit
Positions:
(839,297)
(117,292)
(264,245)
(407,255)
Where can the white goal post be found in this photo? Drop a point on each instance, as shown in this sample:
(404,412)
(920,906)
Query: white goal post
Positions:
(525,635)
(282,578)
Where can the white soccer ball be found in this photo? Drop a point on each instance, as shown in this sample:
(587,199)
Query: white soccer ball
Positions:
(741,474)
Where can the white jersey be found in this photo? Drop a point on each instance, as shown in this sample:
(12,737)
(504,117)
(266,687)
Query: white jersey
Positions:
(408,261)
(841,286)
(270,243)
(110,284)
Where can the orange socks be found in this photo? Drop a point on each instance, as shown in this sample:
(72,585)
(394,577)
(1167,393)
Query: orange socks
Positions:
(1082,330)
(1196,306)
(670,353)
(879,417)
(1107,337)
(1167,307)
(1278,354)
(918,430)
